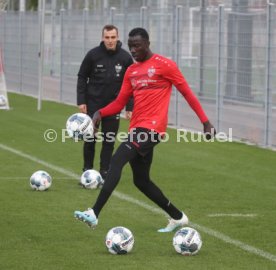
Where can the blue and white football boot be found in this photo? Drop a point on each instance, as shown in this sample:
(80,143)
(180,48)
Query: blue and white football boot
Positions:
(175,224)
(87,217)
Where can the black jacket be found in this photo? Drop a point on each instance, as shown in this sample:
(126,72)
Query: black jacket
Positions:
(101,75)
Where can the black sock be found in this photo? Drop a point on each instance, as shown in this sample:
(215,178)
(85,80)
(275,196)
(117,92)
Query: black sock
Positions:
(156,195)
(173,211)
(101,201)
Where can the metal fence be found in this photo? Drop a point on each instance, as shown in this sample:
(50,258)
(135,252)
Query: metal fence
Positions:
(227,54)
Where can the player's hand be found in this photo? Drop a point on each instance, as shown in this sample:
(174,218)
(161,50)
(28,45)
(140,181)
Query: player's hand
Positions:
(96,120)
(209,130)
(83,108)
(128,115)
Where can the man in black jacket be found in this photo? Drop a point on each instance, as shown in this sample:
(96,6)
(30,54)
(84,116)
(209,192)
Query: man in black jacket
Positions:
(99,81)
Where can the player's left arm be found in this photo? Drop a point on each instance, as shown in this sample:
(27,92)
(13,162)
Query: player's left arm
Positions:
(176,77)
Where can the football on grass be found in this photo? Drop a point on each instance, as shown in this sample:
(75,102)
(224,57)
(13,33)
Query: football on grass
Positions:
(187,241)
(119,240)
(3,101)
(40,180)
(91,179)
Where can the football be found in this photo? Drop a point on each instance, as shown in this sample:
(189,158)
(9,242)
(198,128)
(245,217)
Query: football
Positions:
(79,126)
(40,180)
(3,101)
(187,241)
(119,240)
(91,179)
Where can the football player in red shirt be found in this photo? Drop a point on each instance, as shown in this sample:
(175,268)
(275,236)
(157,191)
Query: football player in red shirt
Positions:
(149,81)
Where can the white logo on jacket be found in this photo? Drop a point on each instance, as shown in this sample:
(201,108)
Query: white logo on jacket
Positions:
(118,69)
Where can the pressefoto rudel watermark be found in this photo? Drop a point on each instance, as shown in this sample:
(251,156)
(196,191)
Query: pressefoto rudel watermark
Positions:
(182,135)
(186,136)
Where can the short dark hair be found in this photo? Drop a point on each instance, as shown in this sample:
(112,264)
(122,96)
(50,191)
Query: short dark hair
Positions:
(139,32)
(109,27)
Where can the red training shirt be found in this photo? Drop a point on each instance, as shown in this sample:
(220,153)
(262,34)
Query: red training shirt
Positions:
(150,82)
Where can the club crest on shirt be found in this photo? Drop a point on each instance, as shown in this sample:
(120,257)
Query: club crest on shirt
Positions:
(118,69)
(151,71)
(133,83)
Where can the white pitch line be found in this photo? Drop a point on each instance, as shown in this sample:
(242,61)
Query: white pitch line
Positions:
(232,215)
(27,177)
(13,177)
(39,161)
(237,243)
(122,196)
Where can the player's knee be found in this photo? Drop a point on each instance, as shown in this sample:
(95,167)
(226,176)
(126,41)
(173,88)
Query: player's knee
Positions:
(139,183)
(116,163)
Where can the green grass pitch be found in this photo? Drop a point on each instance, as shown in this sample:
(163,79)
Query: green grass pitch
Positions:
(38,230)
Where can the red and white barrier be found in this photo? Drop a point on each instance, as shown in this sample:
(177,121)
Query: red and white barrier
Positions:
(4,102)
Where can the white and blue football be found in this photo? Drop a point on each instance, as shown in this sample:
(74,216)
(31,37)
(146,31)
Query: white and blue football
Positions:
(91,179)
(79,126)
(40,180)
(187,241)
(119,240)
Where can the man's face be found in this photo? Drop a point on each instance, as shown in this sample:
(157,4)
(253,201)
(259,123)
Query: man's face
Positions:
(110,39)
(138,47)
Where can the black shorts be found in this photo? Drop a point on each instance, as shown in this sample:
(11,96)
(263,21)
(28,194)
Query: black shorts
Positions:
(143,140)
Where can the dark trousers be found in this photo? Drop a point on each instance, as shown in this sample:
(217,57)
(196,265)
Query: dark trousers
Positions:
(109,130)
(140,164)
